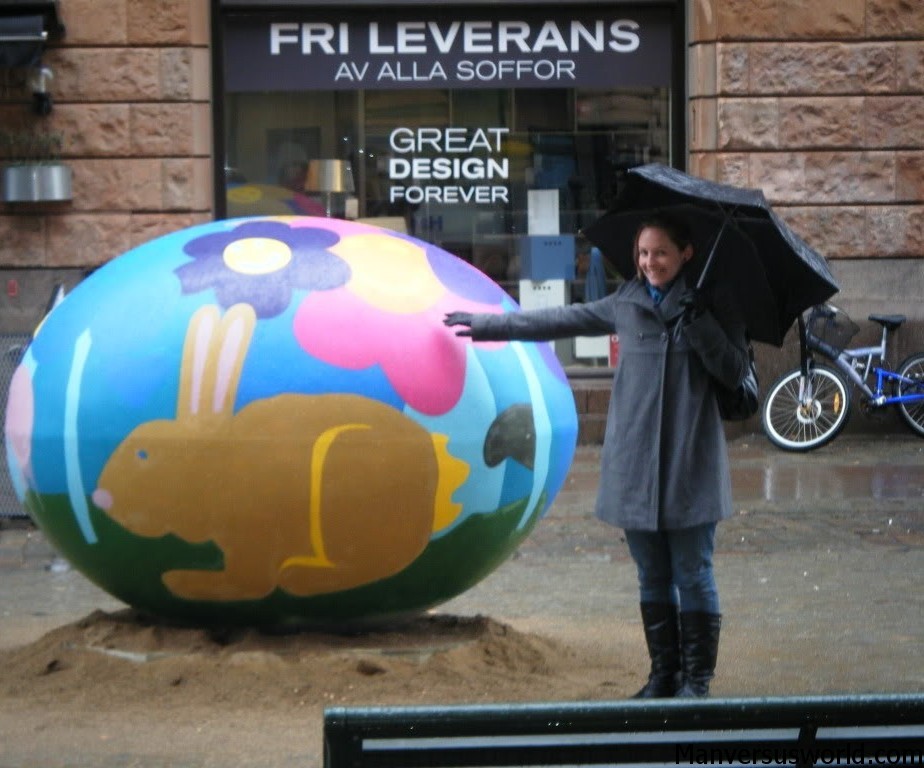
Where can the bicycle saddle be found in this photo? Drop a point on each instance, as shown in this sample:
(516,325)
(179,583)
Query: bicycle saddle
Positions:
(888,321)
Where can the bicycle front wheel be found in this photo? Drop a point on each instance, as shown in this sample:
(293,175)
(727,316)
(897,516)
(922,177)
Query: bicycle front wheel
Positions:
(805,412)
(912,412)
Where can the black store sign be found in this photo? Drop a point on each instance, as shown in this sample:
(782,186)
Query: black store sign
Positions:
(499,48)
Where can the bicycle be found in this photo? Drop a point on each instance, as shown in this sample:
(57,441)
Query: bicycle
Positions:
(809,406)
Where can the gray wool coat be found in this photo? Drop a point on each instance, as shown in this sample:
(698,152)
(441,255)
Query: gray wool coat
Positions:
(664,463)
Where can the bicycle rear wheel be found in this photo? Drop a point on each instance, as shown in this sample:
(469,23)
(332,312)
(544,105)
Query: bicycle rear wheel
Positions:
(913,413)
(802,413)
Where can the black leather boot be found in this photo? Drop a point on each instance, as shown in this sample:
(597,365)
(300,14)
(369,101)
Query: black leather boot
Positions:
(662,634)
(699,648)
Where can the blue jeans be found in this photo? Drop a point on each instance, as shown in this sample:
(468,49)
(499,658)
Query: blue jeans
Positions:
(676,567)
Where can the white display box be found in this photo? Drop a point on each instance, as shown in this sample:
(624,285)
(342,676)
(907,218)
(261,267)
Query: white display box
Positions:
(544,293)
(586,347)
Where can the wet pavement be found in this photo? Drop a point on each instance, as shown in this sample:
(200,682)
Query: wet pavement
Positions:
(820,571)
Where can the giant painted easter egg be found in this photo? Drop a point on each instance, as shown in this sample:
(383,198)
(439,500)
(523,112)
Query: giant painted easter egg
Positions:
(265,421)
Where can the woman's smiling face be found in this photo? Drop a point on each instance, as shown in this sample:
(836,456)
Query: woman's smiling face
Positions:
(658,257)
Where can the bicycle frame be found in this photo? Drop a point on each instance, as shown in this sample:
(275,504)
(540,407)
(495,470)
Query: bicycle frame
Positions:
(846,361)
(808,406)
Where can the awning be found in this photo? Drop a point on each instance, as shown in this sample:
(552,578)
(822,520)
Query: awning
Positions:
(25,27)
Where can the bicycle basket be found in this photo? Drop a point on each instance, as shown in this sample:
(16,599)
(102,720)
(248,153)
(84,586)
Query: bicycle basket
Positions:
(832,326)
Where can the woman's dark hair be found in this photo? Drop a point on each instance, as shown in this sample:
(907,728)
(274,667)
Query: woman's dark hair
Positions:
(672,225)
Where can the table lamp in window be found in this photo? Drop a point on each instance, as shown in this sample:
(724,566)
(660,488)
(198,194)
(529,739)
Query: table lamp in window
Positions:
(331,179)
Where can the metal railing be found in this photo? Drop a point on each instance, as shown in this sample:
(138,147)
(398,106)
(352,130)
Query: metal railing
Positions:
(808,731)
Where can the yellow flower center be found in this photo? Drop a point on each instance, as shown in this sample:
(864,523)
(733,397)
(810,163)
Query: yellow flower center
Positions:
(257,255)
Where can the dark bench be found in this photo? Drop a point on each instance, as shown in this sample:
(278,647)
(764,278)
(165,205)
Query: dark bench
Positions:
(801,731)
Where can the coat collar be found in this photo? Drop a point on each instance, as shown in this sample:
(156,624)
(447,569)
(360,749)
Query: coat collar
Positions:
(669,310)
(670,306)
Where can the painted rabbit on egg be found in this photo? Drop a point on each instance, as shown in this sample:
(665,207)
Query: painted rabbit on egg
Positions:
(296,490)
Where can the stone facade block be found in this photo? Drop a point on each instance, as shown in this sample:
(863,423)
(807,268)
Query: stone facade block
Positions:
(850,177)
(748,124)
(187,184)
(836,232)
(846,67)
(701,164)
(896,231)
(162,129)
(831,178)
(822,18)
(86,239)
(147,226)
(93,130)
(201,129)
(859,232)
(200,23)
(746,19)
(910,66)
(729,168)
(909,182)
(895,18)
(821,122)
(142,184)
(893,121)
(176,73)
(733,70)
(106,74)
(781,175)
(184,74)
(95,22)
(703,124)
(702,21)
(22,238)
(200,64)
(701,74)
(164,23)
(118,184)
(733,168)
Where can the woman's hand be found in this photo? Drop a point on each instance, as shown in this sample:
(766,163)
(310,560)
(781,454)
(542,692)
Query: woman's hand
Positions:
(694,303)
(459,318)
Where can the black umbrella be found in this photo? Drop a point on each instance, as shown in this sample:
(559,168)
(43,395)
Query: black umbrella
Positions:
(737,238)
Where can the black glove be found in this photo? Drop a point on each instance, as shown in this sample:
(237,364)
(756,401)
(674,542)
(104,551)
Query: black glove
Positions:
(459,318)
(693,303)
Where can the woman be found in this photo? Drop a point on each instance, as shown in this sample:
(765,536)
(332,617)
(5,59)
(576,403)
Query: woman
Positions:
(664,465)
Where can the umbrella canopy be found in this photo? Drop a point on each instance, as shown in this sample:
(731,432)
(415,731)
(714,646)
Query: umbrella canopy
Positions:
(737,238)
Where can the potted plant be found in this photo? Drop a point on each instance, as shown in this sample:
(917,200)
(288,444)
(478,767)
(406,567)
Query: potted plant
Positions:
(33,170)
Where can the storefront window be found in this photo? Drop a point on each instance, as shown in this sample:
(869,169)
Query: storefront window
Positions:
(444,127)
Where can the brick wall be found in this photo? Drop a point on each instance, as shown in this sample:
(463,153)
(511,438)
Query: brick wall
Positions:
(131,89)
